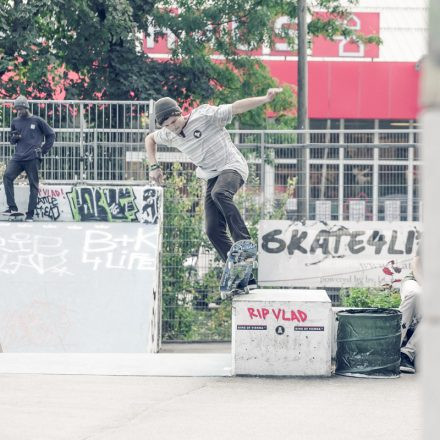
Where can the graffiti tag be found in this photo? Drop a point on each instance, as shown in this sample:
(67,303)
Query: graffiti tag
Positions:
(43,254)
(104,250)
(278,314)
(47,207)
(150,211)
(103,204)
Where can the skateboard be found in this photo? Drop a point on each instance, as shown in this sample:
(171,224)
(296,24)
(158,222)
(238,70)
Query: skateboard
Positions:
(238,268)
(14,217)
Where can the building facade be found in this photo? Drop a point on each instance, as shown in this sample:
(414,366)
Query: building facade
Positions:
(354,86)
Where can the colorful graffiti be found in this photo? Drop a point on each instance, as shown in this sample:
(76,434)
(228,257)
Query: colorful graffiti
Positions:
(92,203)
(103,204)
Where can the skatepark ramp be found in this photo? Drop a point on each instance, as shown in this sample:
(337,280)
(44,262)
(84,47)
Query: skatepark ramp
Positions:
(85,276)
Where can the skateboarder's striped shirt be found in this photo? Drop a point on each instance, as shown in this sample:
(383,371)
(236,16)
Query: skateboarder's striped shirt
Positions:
(206,142)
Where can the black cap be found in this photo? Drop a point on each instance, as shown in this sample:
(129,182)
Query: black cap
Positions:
(164,108)
(21,101)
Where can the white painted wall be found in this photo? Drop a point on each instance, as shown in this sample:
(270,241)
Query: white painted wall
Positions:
(79,287)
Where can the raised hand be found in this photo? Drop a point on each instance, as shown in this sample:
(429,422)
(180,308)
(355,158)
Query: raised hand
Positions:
(271,93)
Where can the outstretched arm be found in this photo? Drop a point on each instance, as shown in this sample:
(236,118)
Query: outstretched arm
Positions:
(243,105)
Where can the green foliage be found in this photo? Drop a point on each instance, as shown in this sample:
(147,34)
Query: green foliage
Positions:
(182,232)
(23,54)
(186,296)
(369,297)
(186,315)
(100,41)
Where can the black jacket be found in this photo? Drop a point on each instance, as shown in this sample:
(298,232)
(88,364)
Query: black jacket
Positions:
(27,134)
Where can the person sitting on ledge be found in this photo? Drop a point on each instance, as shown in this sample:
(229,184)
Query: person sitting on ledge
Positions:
(410,291)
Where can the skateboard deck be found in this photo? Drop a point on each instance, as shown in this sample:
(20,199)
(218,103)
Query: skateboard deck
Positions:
(238,268)
(14,217)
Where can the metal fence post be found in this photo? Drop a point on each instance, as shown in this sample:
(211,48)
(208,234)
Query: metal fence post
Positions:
(151,117)
(376,171)
(341,174)
(95,154)
(410,197)
(81,142)
(375,183)
(307,182)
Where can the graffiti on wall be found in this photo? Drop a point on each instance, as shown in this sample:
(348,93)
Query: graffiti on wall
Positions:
(105,250)
(79,287)
(150,206)
(103,204)
(48,206)
(41,253)
(341,254)
(92,203)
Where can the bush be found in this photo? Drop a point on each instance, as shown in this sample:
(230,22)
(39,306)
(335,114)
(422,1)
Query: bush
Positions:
(370,297)
(185,294)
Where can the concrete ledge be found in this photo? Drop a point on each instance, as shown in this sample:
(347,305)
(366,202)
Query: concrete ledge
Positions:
(282,333)
(117,364)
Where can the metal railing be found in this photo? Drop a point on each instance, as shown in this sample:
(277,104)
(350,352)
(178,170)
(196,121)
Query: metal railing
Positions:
(319,174)
(346,174)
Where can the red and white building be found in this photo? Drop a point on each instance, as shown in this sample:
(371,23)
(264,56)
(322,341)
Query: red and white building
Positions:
(355,86)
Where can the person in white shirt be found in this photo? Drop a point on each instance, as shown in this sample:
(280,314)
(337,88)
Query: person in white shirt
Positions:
(410,291)
(203,138)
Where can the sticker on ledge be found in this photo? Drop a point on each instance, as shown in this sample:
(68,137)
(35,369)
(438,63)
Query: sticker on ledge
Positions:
(308,328)
(251,327)
(280,330)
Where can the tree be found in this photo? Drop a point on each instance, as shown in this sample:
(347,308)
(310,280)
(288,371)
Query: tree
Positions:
(93,48)
(25,56)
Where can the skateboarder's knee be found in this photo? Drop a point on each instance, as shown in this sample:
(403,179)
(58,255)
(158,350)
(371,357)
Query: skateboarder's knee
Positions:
(221,195)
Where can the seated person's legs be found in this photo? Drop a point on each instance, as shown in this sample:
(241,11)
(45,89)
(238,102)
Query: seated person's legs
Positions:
(410,295)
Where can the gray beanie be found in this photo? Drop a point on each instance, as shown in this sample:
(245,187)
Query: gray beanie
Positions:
(164,108)
(21,101)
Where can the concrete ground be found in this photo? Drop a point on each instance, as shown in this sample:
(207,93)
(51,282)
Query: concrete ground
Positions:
(82,407)
(39,407)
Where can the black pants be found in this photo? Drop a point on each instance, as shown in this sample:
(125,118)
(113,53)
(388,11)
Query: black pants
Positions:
(220,212)
(13,170)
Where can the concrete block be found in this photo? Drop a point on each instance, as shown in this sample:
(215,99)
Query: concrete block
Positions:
(282,332)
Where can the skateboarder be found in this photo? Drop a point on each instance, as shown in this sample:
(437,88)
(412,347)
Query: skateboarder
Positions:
(202,137)
(27,133)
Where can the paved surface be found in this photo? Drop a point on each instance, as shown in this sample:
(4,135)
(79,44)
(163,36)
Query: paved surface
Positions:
(54,407)
(80,407)
(119,364)
(195,347)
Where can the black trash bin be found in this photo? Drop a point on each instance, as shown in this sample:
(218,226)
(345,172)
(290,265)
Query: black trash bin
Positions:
(368,343)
